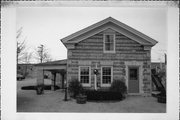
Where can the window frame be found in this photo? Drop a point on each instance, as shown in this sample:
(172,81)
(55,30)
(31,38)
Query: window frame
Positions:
(79,76)
(106,84)
(114,42)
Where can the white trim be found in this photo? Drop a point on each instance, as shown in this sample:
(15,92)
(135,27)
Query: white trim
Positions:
(109,19)
(70,46)
(114,42)
(124,32)
(106,85)
(84,84)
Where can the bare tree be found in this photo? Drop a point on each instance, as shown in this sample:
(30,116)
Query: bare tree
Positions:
(27,57)
(43,54)
(20,46)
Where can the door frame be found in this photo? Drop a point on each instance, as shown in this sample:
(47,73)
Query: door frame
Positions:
(138,68)
(139,65)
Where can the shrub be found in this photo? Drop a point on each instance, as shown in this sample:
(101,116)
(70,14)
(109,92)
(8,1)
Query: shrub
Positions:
(75,88)
(118,86)
(103,95)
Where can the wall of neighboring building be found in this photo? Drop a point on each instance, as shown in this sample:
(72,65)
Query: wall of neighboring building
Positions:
(89,52)
(27,70)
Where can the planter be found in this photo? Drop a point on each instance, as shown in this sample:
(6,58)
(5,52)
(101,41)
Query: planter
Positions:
(40,89)
(81,99)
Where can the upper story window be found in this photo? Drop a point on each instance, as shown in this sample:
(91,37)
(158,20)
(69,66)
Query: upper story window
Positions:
(84,75)
(109,43)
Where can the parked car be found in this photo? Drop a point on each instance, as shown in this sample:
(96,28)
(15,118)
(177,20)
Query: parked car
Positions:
(20,77)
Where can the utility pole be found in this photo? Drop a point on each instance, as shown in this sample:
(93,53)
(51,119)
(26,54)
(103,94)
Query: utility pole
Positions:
(165,58)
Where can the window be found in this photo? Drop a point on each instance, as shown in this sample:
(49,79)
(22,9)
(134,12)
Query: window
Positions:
(133,74)
(106,75)
(109,43)
(84,75)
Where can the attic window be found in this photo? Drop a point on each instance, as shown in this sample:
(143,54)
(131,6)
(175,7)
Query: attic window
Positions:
(109,43)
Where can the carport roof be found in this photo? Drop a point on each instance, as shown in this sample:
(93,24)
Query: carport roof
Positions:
(57,62)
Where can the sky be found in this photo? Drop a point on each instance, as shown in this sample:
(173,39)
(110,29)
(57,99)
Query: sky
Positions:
(48,25)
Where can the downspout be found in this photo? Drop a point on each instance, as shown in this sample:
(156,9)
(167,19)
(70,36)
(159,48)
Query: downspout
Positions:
(95,79)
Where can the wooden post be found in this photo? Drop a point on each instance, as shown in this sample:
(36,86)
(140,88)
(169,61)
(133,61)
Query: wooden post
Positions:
(66,89)
(165,58)
(62,82)
(54,80)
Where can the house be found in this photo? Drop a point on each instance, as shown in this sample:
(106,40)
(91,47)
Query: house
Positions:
(110,50)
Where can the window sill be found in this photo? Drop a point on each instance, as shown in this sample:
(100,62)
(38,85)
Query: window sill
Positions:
(86,85)
(109,51)
(105,85)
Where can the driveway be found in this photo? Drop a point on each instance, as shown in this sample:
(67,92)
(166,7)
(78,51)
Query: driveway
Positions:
(52,101)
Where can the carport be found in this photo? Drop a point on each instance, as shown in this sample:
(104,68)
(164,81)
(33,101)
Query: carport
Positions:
(54,68)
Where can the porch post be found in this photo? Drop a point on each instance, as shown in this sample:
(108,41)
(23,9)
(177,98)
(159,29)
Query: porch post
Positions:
(40,76)
(40,81)
(62,82)
(53,80)
(66,87)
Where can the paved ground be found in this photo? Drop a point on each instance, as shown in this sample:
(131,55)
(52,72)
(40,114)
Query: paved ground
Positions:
(52,101)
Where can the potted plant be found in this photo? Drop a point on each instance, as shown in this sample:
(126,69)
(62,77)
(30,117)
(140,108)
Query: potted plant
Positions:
(81,98)
(40,89)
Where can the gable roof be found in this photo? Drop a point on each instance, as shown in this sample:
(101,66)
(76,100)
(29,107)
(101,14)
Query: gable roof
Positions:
(103,22)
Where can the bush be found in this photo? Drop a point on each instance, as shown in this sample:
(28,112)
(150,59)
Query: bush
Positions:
(75,88)
(118,86)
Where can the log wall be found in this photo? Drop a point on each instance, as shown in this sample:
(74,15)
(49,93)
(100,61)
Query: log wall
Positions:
(90,51)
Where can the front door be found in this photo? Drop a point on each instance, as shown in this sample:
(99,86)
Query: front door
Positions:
(133,80)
